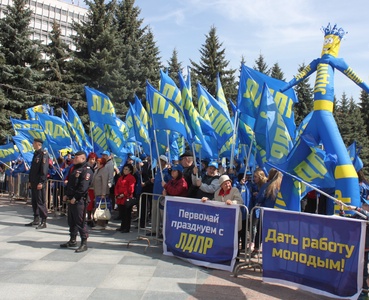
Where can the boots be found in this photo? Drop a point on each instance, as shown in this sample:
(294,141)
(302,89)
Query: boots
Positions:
(70,244)
(42,225)
(83,246)
(35,222)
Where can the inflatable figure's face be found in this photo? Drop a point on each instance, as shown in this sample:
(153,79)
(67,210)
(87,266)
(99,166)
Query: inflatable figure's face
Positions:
(331,45)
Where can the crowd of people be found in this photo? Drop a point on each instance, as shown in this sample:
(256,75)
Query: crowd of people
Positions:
(120,189)
(83,182)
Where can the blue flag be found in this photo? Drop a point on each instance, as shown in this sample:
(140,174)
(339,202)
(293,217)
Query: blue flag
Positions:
(270,130)
(221,123)
(221,97)
(141,112)
(354,156)
(56,131)
(250,92)
(164,114)
(8,153)
(24,146)
(32,111)
(193,119)
(100,108)
(76,122)
(140,130)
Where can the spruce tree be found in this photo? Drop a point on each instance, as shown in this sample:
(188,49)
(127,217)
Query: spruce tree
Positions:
(174,66)
(57,78)
(358,133)
(305,96)
(364,109)
(276,72)
(20,64)
(150,63)
(96,61)
(130,34)
(212,62)
(261,66)
(341,114)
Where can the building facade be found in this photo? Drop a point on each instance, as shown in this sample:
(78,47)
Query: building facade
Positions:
(45,12)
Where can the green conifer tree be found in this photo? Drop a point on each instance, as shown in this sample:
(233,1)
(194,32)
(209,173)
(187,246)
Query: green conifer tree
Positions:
(364,109)
(174,66)
(58,81)
(261,65)
(305,96)
(130,34)
(97,59)
(150,63)
(20,64)
(276,72)
(212,62)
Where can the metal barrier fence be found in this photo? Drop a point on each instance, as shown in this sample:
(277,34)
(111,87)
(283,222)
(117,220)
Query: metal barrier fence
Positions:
(54,196)
(253,238)
(156,224)
(16,187)
(146,214)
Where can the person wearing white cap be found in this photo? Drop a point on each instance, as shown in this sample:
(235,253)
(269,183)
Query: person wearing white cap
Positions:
(227,194)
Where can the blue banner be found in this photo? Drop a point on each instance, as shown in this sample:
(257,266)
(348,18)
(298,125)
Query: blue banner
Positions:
(100,108)
(250,91)
(203,233)
(317,253)
(25,147)
(8,153)
(75,120)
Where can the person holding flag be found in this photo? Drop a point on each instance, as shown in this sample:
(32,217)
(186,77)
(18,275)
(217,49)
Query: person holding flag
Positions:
(37,183)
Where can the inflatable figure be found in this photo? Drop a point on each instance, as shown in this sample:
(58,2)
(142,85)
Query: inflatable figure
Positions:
(322,125)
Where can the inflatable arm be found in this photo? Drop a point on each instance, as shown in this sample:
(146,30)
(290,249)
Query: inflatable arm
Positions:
(344,68)
(305,73)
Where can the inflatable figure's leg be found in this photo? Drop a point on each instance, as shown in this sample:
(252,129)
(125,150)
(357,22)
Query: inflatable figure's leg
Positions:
(347,184)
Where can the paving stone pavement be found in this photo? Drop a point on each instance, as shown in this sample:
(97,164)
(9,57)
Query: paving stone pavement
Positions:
(33,266)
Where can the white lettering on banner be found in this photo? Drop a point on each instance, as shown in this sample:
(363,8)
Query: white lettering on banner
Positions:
(198,216)
(194,227)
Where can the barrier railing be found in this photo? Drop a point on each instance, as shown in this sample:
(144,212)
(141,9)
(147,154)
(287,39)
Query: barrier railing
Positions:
(54,196)
(157,228)
(144,217)
(18,187)
(253,238)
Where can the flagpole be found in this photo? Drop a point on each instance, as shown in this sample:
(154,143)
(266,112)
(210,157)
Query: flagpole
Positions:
(168,147)
(9,165)
(157,152)
(60,173)
(234,139)
(152,170)
(337,201)
(92,137)
(248,155)
(194,159)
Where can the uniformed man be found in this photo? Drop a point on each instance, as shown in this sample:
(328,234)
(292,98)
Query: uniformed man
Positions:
(76,196)
(37,183)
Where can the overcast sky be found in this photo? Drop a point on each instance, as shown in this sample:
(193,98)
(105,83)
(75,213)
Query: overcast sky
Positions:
(286,32)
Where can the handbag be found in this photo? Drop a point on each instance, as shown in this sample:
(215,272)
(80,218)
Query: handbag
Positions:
(130,202)
(102,214)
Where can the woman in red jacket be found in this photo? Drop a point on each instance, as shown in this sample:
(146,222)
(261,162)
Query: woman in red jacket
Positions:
(177,186)
(124,189)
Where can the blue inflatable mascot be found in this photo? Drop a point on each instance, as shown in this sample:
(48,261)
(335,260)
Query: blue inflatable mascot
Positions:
(322,125)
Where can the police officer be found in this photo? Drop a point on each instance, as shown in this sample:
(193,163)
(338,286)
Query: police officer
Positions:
(37,183)
(79,180)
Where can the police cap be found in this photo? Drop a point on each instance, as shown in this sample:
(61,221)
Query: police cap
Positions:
(38,140)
